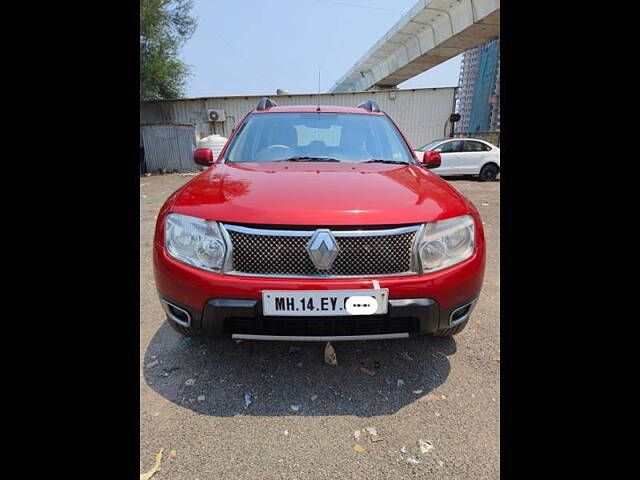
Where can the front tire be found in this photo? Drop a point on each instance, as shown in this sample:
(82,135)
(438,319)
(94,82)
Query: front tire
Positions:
(489,172)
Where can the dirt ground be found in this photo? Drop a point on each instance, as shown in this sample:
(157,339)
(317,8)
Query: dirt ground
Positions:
(445,391)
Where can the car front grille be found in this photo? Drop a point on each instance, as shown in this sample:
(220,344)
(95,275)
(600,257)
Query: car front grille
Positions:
(263,252)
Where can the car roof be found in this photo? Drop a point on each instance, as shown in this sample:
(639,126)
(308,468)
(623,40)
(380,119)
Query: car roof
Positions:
(464,138)
(467,138)
(314,108)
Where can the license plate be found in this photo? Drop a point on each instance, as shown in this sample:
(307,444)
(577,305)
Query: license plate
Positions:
(320,303)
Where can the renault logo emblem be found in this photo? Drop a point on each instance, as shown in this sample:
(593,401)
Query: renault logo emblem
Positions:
(323,249)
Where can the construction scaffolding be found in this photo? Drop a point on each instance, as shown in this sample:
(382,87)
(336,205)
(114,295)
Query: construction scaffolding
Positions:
(478,100)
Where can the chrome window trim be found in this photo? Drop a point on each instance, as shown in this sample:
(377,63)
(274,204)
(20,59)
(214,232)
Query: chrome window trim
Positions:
(227,268)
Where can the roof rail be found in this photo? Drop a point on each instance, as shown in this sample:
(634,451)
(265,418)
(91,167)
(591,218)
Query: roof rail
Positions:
(370,105)
(265,103)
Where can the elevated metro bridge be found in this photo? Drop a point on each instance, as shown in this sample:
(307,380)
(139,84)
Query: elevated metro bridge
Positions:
(432,32)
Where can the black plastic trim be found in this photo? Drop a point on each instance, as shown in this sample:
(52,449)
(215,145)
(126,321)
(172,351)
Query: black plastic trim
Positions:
(445,315)
(211,320)
(196,315)
(217,311)
(369,105)
(265,104)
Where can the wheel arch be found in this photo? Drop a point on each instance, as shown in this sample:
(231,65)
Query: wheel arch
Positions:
(490,162)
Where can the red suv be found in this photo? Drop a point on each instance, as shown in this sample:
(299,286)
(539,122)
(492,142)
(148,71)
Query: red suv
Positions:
(318,223)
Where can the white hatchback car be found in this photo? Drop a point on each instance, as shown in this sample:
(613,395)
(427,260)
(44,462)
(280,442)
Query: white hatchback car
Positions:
(466,156)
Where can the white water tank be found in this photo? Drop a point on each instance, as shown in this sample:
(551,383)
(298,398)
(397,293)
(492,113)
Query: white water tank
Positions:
(214,142)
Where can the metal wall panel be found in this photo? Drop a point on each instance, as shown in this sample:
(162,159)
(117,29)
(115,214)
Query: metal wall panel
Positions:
(169,147)
(420,113)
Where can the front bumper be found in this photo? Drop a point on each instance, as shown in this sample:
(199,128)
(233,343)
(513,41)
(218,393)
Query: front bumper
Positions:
(243,319)
(227,305)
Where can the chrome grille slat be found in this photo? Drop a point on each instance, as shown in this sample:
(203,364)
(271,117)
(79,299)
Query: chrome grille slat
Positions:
(283,253)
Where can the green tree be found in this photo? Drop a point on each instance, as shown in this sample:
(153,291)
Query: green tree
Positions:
(164,27)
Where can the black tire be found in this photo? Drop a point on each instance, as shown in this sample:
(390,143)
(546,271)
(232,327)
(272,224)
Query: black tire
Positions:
(181,329)
(489,172)
(448,332)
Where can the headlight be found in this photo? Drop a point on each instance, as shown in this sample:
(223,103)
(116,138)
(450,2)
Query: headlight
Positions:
(446,243)
(194,241)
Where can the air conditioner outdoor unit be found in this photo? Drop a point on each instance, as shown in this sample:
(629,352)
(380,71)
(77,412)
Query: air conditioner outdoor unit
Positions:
(216,115)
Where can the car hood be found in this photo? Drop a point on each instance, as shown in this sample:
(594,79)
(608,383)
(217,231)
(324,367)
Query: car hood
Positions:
(318,194)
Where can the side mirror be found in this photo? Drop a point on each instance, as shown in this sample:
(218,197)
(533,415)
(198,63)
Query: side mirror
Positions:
(431,159)
(203,156)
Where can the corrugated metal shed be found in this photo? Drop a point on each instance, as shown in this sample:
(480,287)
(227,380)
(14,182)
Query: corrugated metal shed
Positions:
(169,147)
(420,113)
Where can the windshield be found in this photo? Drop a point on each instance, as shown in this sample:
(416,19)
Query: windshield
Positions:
(430,145)
(342,137)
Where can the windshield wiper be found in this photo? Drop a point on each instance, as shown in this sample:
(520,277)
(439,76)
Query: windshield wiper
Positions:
(381,160)
(308,159)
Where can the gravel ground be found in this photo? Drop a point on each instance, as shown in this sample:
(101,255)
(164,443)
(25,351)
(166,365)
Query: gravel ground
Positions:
(445,391)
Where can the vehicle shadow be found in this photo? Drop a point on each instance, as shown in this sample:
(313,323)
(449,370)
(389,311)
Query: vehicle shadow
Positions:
(372,378)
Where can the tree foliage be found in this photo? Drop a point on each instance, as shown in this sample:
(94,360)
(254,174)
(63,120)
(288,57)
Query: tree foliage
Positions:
(164,27)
